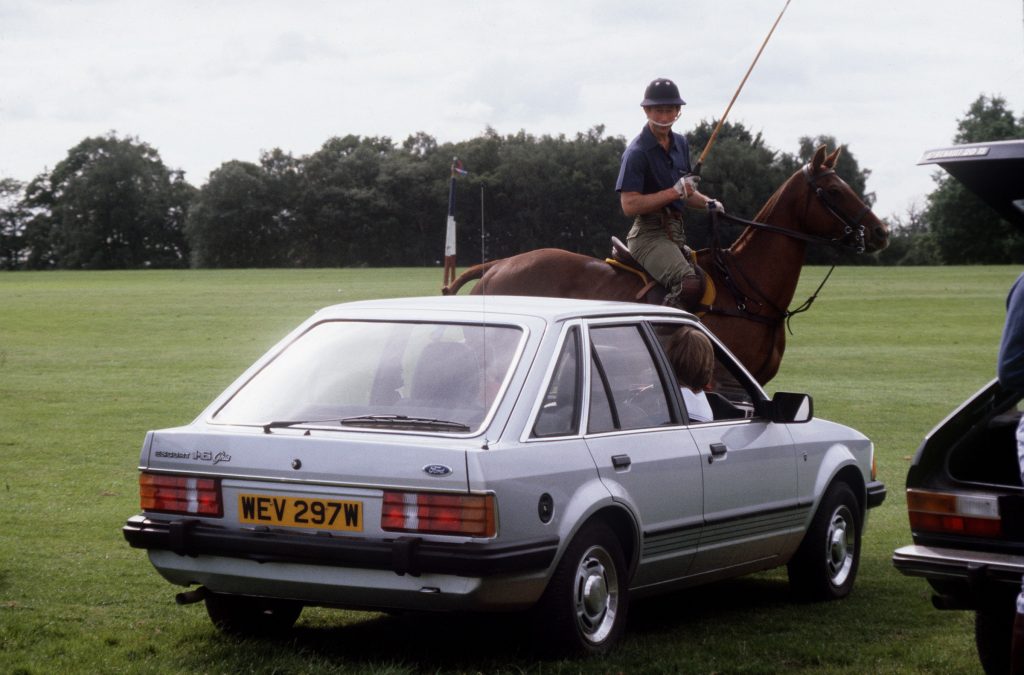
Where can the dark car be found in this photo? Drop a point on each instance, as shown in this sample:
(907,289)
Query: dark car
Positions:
(964,494)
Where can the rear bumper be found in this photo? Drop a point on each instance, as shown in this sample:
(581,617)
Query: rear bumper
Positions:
(402,555)
(957,564)
(966,578)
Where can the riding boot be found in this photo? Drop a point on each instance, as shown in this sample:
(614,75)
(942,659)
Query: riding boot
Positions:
(689,292)
(1017,646)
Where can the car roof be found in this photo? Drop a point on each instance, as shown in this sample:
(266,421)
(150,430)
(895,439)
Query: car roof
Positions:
(992,171)
(476,306)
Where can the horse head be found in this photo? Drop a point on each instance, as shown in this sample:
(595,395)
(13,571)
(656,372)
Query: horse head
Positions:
(831,209)
(757,276)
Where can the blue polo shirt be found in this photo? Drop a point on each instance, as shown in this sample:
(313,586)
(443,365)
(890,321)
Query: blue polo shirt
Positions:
(646,167)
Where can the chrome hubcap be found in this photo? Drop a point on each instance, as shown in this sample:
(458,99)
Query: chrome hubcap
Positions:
(841,544)
(596,594)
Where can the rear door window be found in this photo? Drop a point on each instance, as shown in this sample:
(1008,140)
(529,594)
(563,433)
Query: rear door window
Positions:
(626,388)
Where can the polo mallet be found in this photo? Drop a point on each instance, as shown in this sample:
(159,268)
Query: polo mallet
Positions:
(718,127)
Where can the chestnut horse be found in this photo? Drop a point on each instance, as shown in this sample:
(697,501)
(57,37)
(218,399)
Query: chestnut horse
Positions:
(755,279)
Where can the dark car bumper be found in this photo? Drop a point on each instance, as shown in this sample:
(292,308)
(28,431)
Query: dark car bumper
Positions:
(965,576)
(876,493)
(957,564)
(403,555)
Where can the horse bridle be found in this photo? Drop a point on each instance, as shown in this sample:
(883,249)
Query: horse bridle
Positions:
(853,238)
(854,235)
(853,228)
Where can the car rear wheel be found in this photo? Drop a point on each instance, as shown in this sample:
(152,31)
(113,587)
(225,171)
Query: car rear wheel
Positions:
(245,615)
(993,634)
(825,565)
(583,609)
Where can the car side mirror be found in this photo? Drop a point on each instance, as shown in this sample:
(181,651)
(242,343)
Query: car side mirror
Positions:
(786,407)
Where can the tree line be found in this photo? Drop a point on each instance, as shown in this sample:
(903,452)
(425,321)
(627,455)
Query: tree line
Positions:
(367,201)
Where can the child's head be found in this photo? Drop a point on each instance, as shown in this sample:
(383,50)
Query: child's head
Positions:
(692,356)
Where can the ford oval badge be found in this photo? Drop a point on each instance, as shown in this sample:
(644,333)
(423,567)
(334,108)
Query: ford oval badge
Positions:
(437,470)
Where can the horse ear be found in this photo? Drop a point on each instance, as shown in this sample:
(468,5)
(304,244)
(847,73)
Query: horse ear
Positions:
(819,158)
(830,161)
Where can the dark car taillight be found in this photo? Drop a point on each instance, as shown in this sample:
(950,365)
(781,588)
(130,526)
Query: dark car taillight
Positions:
(180,494)
(954,513)
(428,512)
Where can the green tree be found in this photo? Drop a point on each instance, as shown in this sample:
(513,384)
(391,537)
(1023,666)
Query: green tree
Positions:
(13,217)
(235,220)
(347,219)
(415,179)
(280,192)
(540,192)
(964,228)
(910,241)
(111,203)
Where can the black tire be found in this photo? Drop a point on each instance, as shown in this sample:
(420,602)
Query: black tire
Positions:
(245,615)
(825,565)
(583,610)
(993,634)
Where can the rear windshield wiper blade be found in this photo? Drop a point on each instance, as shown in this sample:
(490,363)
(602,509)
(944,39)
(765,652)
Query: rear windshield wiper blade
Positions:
(285,424)
(403,422)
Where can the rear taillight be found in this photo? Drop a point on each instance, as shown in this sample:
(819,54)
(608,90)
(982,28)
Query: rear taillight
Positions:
(428,512)
(180,494)
(952,513)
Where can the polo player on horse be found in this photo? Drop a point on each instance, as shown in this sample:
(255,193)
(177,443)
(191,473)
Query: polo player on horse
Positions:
(655,184)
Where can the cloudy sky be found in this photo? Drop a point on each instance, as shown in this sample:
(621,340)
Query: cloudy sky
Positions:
(208,82)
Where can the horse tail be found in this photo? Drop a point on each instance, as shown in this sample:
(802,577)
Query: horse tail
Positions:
(474,272)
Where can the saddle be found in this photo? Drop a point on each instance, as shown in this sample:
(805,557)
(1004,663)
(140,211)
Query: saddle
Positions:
(652,292)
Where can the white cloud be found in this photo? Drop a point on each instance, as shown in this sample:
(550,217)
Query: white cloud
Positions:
(206,83)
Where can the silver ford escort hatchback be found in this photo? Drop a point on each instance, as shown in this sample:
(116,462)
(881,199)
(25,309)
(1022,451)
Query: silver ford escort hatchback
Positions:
(494,453)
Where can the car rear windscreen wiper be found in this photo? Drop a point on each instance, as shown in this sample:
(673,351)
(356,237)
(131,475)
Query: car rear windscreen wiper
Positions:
(404,422)
(284,424)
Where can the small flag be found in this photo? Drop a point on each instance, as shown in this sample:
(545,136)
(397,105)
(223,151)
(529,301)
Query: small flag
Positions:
(449,239)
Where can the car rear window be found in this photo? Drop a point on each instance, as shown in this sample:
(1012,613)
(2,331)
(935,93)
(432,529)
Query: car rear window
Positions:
(358,370)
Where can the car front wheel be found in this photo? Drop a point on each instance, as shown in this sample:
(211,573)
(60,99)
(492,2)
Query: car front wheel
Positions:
(244,615)
(583,609)
(825,565)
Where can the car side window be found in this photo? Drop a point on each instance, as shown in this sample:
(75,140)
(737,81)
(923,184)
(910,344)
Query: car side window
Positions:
(626,390)
(560,410)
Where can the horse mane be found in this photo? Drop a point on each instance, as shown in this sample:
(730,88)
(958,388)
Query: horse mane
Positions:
(763,215)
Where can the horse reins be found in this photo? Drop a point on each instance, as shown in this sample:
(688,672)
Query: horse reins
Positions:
(853,238)
(853,230)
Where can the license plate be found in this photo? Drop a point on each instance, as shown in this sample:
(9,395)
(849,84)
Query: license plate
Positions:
(321,514)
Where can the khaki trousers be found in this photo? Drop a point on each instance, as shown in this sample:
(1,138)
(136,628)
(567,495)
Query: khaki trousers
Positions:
(656,241)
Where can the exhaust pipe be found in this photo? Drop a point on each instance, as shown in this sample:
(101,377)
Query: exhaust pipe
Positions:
(193,596)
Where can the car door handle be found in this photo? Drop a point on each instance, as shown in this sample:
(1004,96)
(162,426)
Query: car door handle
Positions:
(717,450)
(621,461)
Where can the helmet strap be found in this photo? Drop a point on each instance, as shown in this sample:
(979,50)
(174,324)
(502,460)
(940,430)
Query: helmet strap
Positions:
(665,125)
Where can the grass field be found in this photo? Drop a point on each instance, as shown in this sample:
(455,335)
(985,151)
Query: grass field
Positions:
(90,361)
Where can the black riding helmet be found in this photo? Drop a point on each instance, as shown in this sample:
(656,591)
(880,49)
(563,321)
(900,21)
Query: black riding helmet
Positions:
(662,91)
